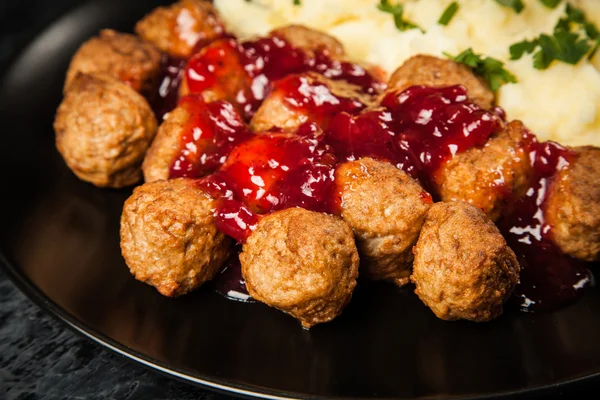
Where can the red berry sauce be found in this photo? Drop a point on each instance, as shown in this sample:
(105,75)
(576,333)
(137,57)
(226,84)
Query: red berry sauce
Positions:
(244,72)
(167,94)
(212,131)
(549,279)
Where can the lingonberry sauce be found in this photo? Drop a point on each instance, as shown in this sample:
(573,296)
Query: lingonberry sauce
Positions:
(211,132)
(548,278)
(167,94)
(244,72)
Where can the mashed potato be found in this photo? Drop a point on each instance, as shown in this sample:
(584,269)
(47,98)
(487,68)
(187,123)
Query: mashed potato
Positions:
(560,103)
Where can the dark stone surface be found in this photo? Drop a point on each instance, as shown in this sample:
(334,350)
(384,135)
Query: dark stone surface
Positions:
(41,359)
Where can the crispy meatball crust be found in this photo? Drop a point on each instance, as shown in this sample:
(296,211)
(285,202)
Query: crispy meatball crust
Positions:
(463,268)
(103,129)
(488,177)
(573,206)
(432,71)
(169,238)
(165,146)
(310,40)
(386,209)
(177,28)
(120,55)
(276,112)
(303,263)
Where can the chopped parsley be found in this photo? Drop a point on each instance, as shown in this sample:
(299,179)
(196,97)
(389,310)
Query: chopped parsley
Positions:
(297,3)
(490,69)
(397,11)
(448,13)
(516,5)
(573,37)
(551,3)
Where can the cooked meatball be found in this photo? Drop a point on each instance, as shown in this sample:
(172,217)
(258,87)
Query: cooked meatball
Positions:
(168,236)
(488,177)
(321,100)
(386,209)
(165,146)
(573,206)
(179,27)
(432,71)
(303,263)
(463,268)
(120,55)
(103,129)
(309,39)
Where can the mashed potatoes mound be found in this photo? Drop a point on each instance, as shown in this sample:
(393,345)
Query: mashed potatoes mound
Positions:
(561,103)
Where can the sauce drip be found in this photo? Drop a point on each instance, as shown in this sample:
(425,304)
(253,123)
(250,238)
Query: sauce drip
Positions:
(244,72)
(165,98)
(549,278)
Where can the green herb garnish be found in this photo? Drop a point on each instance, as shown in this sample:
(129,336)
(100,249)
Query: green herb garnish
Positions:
(297,3)
(448,13)
(490,69)
(516,5)
(397,11)
(551,3)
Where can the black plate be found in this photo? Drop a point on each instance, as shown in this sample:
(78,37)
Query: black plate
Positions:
(60,243)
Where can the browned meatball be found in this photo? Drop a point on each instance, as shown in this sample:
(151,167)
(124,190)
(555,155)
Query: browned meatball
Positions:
(386,209)
(573,206)
(309,39)
(490,176)
(166,146)
(120,55)
(178,28)
(103,129)
(432,71)
(281,109)
(303,263)
(168,236)
(463,267)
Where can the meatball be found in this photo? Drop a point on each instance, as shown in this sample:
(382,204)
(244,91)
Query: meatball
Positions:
(309,39)
(179,27)
(169,238)
(303,263)
(488,177)
(573,206)
(432,71)
(103,129)
(386,209)
(120,55)
(321,100)
(463,268)
(166,146)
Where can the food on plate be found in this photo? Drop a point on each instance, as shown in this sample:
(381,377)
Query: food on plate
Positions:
(178,28)
(103,129)
(573,205)
(490,176)
(169,238)
(297,99)
(120,55)
(303,263)
(321,170)
(559,101)
(194,139)
(463,267)
(422,70)
(386,209)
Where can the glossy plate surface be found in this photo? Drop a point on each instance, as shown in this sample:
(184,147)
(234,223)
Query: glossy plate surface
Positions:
(60,243)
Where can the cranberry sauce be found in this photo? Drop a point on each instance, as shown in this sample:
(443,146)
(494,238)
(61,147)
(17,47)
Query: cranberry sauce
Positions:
(416,129)
(271,172)
(165,98)
(548,279)
(211,132)
(314,99)
(243,72)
